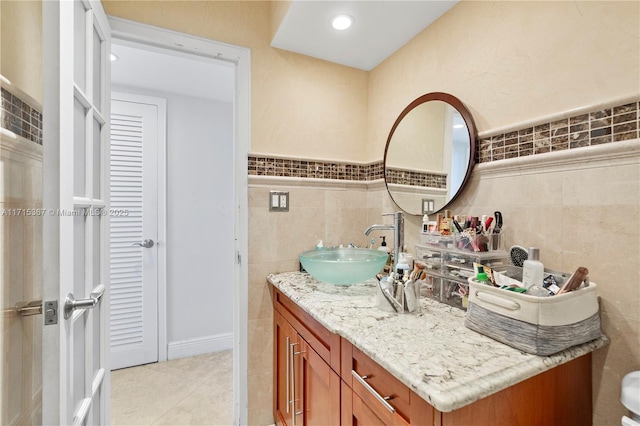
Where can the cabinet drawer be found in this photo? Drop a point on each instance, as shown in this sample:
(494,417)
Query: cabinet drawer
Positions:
(356,412)
(432,287)
(378,381)
(325,343)
(431,258)
(455,293)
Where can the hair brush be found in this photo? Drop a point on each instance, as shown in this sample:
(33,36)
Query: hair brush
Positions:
(517,255)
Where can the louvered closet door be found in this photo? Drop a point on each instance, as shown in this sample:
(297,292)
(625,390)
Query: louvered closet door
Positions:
(134,202)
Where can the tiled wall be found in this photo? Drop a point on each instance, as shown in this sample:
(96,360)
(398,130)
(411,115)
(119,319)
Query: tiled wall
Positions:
(552,201)
(337,214)
(598,127)
(20,262)
(20,117)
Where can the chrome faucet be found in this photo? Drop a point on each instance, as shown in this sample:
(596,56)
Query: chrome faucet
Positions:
(398,234)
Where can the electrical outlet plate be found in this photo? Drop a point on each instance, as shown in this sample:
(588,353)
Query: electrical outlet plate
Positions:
(279,201)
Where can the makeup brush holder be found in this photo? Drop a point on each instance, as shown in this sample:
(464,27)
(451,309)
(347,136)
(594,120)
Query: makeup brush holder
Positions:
(398,297)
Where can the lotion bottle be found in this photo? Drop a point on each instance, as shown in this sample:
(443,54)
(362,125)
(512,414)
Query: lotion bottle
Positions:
(532,269)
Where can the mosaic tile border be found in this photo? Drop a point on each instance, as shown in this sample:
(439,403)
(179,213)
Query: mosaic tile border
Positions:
(314,169)
(19,117)
(613,124)
(413,178)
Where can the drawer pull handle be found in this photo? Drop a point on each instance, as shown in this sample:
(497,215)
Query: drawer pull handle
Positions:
(383,399)
(288,353)
(292,401)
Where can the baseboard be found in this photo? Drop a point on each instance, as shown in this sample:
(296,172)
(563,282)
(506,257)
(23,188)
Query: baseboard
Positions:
(202,345)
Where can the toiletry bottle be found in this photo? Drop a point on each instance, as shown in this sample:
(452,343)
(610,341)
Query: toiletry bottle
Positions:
(482,278)
(449,218)
(425,223)
(445,225)
(383,246)
(319,246)
(532,269)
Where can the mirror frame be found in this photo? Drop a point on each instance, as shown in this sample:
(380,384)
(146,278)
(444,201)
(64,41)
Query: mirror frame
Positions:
(473,139)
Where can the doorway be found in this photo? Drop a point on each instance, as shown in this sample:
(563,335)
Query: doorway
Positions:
(193,198)
(155,91)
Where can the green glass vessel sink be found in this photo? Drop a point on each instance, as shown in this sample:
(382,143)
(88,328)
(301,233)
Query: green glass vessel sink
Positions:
(343,266)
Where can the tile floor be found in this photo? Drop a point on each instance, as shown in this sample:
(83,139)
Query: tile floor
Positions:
(187,391)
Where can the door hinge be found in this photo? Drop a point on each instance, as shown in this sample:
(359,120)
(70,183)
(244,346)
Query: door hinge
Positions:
(51,312)
(239,258)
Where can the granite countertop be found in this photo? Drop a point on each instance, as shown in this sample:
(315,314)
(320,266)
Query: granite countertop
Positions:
(433,353)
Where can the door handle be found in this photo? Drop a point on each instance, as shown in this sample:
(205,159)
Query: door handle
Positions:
(71,304)
(148,243)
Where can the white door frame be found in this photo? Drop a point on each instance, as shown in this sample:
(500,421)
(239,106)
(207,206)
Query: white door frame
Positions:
(123,29)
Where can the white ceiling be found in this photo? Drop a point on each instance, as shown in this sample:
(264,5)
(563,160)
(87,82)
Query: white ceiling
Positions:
(379,28)
(167,71)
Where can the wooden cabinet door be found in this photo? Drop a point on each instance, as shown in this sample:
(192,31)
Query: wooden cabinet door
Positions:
(317,389)
(307,390)
(285,339)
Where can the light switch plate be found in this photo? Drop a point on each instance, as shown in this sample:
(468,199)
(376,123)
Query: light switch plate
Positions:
(278,201)
(428,206)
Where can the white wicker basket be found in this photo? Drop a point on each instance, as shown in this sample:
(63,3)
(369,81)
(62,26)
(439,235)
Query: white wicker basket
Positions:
(536,325)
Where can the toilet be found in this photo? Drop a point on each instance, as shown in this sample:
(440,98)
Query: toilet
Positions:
(630,398)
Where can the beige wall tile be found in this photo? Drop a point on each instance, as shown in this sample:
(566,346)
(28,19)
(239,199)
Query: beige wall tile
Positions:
(345,225)
(298,230)
(260,399)
(260,302)
(263,235)
(260,340)
(611,364)
(21,267)
(612,257)
(258,197)
(604,186)
(307,198)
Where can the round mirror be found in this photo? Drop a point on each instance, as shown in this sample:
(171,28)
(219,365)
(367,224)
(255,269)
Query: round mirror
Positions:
(430,153)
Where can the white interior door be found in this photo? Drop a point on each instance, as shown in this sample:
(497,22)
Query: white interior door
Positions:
(75,228)
(137,126)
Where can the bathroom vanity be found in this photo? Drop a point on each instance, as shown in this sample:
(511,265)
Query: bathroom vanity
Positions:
(340,360)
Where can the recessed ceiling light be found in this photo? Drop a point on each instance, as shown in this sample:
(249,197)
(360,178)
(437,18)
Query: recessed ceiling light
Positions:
(113,57)
(341,22)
